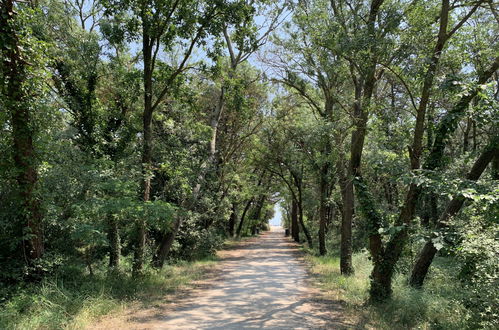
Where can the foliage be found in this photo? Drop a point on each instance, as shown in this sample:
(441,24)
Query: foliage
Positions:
(71,299)
(440,306)
(155,130)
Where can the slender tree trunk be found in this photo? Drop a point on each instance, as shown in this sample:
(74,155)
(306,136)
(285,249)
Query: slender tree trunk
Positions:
(232,220)
(243,216)
(347,208)
(302,224)
(425,258)
(295,229)
(258,212)
(475,143)
(14,73)
(247,207)
(113,236)
(166,243)
(147,166)
(323,190)
(466,137)
(300,216)
(346,265)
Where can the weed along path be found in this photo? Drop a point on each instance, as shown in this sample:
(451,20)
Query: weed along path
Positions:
(263,283)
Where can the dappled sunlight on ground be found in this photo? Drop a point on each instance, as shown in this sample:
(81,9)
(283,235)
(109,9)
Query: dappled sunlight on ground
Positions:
(263,284)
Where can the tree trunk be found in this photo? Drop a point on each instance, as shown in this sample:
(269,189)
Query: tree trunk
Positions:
(147,166)
(300,217)
(425,258)
(475,143)
(14,72)
(166,243)
(381,283)
(346,265)
(388,257)
(304,228)
(113,236)
(243,216)
(323,211)
(466,137)
(232,220)
(257,213)
(295,230)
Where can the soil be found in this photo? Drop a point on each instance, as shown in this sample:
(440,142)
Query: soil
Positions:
(261,283)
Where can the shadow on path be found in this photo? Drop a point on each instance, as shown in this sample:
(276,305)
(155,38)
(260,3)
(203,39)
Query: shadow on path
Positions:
(263,285)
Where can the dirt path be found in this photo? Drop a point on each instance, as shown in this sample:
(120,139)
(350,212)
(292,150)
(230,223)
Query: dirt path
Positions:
(263,284)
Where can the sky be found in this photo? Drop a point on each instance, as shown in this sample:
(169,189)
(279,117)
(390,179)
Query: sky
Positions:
(276,220)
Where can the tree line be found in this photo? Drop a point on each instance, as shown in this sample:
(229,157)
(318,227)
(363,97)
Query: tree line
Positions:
(140,132)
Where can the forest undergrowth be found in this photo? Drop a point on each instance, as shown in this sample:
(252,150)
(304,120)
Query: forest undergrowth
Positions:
(72,300)
(442,305)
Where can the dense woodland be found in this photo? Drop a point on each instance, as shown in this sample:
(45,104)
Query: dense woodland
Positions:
(136,134)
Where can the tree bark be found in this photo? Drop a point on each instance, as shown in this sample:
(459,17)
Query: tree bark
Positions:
(113,236)
(243,216)
(495,167)
(295,230)
(363,94)
(346,265)
(232,220)
(300,214)
(15,75)
(386,258)
(258,212)
(466,137)
(425,258)
(323,191)
(147,166)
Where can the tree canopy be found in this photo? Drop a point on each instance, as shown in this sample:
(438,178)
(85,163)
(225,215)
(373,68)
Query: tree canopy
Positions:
(139,133)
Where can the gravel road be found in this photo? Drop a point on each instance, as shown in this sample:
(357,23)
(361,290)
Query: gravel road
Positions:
(263,284)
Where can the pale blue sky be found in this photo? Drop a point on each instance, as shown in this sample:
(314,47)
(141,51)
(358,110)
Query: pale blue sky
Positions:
(276,220)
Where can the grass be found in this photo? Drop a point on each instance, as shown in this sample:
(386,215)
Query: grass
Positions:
(75,302)
(438,306)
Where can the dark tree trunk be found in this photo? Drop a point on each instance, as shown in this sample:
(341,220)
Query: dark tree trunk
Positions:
(257,213)
(323,190)
(425,258)
(243,216)
(475,143)
(147,166)
(113,236)
(166,243)
(466,137)
(300,217)
(295,229)
(247,207)
(232,220)
(430,209)
(386,259)
(14,71)
(381,283)
(304,228)
(346,265)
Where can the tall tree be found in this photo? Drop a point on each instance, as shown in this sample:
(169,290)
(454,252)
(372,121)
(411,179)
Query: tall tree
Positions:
(17,74)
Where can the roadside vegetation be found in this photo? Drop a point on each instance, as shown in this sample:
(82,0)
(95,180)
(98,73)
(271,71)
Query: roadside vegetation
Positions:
(71,299)
(443,305)
(136,136)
